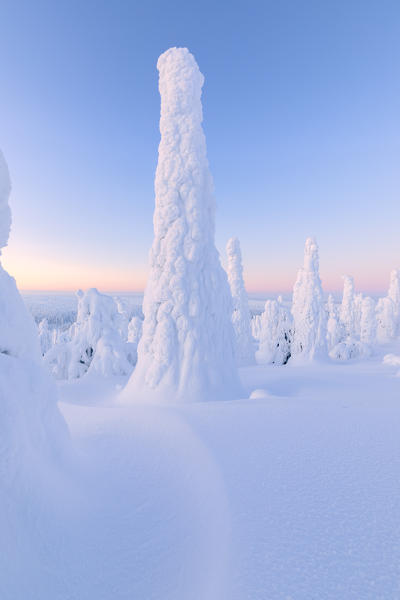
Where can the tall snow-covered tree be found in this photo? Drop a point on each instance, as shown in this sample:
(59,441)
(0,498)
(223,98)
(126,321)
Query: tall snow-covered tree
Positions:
(186,352)
(241,312)
(347,308)
(309,337)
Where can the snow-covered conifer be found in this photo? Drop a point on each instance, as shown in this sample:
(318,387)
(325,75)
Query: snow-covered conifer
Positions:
(386,320)
(95,344)
(241,312)
(275,334)
(394,295)
(368,322)
(358,300)
(45,336)
(186,352)
(309,336)
(334,329)
(347,309)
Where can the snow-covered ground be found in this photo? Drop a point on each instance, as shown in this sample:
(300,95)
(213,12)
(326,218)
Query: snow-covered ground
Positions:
(295,494)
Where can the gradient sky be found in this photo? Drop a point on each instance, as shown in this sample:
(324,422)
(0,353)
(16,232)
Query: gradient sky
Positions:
(301,113)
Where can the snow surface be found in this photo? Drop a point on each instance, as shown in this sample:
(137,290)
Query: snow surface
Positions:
(292,494)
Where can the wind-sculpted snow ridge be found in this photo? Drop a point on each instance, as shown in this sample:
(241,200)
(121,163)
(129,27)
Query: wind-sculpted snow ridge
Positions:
(309,337)
(95,343)
(241,312)
(187,349)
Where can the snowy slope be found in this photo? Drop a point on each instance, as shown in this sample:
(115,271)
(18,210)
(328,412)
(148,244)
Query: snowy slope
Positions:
(295,495)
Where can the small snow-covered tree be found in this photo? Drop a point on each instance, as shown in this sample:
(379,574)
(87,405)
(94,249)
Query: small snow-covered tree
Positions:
(386,320)
(394,295)
(334,328)
(358,300)
(309,316)
(186,352)
(347,308)
(95,343)
(275,334)
(45,336)
(368,322)
(241,312)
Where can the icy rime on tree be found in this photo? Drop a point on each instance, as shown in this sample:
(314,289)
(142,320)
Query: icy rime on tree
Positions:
(186,352)
(347,308)
(309,316)
(241,312)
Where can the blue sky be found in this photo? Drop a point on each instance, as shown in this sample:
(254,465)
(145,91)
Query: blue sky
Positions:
(301,114)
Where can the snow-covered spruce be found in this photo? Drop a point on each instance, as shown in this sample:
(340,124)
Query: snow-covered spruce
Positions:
(350,349)
(309,315)
(30,423)
(386,320)
(45,336)
(347,308)
(276,326)
(241,312)
(368,322)
(96,344)
(394,295)
(334,328)
(186,352)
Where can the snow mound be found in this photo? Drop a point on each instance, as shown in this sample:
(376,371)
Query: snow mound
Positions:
(392,360)
(186,352)
(258,394)
(350,349)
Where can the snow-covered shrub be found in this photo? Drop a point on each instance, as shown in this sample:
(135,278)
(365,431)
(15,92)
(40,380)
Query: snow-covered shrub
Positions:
(275,334)
(386,320)
(95,343)
(368,322)
(241,312)
(186,352)
(334,327)
(31,427)
(350,349)
(309,327)
(347,308)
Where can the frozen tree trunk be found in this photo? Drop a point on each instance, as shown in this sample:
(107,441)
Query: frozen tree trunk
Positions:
(186,352)
(309,316)
(386,320)
(347,309)
(241,313)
